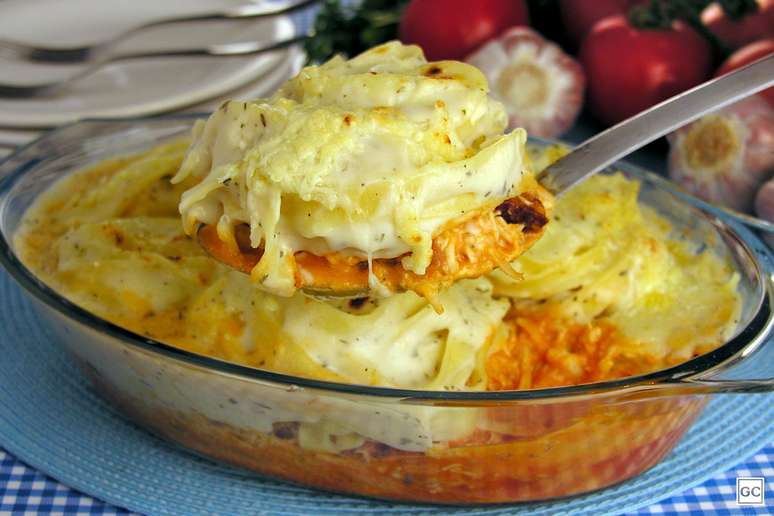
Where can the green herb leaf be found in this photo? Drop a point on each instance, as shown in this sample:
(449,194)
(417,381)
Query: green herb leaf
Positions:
(352,30)
(738,9)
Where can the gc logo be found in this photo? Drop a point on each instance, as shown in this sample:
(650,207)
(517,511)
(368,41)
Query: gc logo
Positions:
(749,491)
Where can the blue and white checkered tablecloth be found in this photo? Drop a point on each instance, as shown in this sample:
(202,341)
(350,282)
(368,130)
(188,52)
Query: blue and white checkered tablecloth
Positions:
(24,490)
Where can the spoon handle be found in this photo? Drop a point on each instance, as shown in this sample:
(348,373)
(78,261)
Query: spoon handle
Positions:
(616,142)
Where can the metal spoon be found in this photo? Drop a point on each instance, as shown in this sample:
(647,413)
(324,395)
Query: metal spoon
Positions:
(613,144)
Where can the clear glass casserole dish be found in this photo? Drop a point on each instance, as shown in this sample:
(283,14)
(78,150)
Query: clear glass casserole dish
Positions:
(518,445)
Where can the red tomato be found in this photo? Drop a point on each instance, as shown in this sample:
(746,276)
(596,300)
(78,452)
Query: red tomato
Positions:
(629,69)
(747,55)
(737,33)
(452,29)
(578,16)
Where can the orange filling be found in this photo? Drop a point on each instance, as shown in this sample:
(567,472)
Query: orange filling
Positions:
(544,350)
(469,247)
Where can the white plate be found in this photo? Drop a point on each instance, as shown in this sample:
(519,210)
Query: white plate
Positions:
(264,86)
(129,88)
(10,138)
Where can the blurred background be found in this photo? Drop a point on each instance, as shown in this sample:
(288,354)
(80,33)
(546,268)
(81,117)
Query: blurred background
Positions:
(564,69)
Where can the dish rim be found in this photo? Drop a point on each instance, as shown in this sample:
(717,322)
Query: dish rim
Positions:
(749,339)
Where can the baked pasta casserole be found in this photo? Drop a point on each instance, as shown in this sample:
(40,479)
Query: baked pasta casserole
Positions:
(392,177)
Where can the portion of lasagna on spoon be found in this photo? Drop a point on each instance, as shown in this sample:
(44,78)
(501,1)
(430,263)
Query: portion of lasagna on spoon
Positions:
(371,176)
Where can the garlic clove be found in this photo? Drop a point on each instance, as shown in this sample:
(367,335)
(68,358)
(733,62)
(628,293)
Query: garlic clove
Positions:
(541,87)
(724,157)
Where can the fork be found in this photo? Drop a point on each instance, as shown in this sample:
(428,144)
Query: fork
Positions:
(98,51)
(227,49)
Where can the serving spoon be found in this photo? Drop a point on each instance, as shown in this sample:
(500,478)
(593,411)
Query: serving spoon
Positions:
(614,143)
(583,161)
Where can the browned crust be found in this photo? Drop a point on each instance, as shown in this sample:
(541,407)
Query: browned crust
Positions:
(525,210)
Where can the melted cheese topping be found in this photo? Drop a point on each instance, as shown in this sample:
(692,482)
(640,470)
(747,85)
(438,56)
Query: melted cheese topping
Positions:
(608,292)
(607,260)
(367,157)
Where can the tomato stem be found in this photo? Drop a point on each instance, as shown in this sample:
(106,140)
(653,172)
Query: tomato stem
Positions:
(661,14)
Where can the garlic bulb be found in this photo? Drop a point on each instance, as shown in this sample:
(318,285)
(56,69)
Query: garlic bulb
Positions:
(541,87)
(724,157)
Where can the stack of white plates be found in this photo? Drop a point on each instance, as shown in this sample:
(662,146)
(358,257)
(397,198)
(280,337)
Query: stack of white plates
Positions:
(137,87)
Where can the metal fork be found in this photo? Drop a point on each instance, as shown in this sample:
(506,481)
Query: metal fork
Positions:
(98,51)
(227,49)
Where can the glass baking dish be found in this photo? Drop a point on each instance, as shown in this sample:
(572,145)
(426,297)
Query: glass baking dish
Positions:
(421,446)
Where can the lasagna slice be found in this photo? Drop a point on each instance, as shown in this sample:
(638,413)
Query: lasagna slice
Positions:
(379,174)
